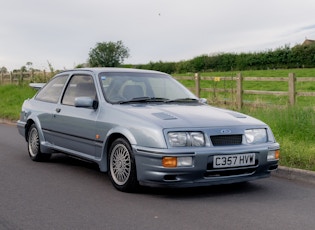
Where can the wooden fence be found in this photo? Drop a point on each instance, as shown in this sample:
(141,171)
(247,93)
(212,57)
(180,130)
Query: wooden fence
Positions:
(239,90)
(20,77)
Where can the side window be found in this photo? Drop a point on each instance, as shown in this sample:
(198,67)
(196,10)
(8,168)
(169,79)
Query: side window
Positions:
(79,86)
(52,90)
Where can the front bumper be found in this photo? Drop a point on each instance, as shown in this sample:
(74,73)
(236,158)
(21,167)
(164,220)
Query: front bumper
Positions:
(150,171)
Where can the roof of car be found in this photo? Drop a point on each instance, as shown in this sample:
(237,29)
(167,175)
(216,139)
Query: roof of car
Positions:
(97,70)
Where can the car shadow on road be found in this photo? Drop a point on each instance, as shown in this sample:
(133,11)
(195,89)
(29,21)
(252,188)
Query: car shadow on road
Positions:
(197,192)
(205,191)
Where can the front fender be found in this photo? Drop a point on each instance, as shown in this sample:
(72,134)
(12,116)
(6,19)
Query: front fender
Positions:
(112,134)
(124,132)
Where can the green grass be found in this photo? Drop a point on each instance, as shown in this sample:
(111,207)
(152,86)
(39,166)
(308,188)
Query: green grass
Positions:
(294,129)
(12,97)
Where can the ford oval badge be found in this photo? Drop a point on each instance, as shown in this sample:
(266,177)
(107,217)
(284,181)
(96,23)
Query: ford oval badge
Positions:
(225,131)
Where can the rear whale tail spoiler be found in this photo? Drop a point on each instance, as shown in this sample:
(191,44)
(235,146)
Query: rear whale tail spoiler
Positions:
(37,86)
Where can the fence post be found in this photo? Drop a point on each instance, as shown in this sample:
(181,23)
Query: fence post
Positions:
(1,82)
(20,78)
(32,75)
(292,92)
(197,84)
(239,91)
(11,78)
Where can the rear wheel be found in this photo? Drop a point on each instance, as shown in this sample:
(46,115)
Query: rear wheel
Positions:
(33,144)
(122,167)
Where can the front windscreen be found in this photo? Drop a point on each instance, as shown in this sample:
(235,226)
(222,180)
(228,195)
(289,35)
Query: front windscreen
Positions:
(125,86)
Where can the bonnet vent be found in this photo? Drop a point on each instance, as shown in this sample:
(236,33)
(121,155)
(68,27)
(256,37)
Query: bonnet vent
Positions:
(164,116)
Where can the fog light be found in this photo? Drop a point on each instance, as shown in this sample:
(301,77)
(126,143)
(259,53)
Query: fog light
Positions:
(184,161)
(169,162)
(273,155)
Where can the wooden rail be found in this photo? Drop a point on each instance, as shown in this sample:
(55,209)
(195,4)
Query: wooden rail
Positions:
(20,77)
(240,91)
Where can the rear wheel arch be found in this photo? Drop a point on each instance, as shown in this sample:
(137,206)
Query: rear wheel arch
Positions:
(34,146)
(28,125)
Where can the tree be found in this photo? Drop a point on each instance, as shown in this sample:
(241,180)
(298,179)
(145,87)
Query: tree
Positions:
(29,65)
(108,54)
(3,69)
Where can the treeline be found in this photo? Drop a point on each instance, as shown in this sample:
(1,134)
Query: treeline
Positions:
(299,56)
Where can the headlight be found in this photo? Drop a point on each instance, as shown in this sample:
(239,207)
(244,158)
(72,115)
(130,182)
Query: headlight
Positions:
(255,136)
(182,139)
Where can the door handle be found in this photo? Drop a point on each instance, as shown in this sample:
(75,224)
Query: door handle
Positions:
(58,110)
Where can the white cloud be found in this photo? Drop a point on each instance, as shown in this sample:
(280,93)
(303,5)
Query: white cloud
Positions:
(62,32)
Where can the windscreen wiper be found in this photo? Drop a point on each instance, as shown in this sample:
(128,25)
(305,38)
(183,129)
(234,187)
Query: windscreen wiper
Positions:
(144,100)
(182,100)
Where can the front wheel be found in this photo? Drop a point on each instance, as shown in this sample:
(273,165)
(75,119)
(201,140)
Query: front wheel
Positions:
(33,144)
(122,167)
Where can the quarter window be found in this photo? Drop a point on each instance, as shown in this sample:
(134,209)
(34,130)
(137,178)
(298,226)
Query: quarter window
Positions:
(52,90)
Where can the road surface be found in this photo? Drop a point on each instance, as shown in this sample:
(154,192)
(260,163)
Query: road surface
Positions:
(66,193)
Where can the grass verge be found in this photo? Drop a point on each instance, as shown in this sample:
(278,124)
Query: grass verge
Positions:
(293,128)
(11,100)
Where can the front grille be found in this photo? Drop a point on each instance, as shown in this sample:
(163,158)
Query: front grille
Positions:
(223,140)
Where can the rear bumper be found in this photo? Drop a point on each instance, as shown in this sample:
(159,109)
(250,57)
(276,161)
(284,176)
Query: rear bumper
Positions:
(21,127)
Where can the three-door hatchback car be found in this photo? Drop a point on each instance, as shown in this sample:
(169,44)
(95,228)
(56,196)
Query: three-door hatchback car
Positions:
(145,128)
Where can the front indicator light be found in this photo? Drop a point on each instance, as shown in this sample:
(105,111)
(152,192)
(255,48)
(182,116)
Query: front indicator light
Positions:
(169,162)
(273,155)
(172,162)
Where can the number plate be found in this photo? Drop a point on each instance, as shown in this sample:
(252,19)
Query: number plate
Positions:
(237,160)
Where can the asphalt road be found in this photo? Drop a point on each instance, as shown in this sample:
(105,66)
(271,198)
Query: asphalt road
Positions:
(69,194)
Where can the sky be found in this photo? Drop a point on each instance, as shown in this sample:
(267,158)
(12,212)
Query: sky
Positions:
(62,32)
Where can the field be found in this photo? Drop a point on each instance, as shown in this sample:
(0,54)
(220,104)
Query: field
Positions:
(293,126)
(223,91)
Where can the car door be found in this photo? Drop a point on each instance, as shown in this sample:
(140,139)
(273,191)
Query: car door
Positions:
(75,126)
(46,101)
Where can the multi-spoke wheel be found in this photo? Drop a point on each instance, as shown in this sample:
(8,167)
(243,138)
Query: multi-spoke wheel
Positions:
(122,168)
(33,144)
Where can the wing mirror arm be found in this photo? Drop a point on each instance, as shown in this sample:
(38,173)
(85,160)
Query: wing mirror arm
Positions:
(95,104)
(203,100)
(85,102)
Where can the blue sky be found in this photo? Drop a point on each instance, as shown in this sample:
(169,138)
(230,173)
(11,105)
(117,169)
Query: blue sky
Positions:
(63,32)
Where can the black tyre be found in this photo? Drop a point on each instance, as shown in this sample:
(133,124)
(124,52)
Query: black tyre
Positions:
(122,167)
(33,144)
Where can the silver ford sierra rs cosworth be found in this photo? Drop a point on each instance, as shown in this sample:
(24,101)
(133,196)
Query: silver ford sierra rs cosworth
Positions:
(144,128)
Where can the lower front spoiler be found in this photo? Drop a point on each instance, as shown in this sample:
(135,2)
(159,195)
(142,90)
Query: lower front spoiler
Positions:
(203,182)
